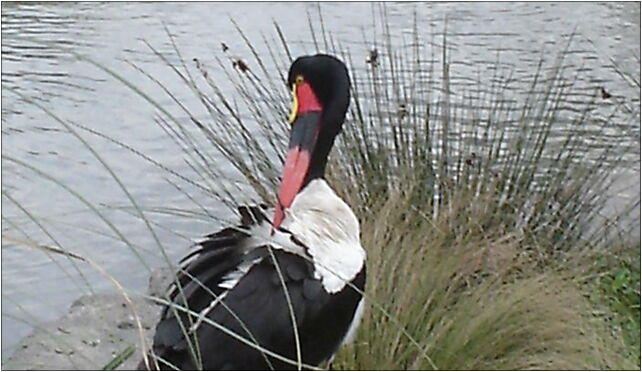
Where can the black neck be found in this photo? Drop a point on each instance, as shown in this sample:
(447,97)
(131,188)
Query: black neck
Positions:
(335,97)
(331,122)
(319,158)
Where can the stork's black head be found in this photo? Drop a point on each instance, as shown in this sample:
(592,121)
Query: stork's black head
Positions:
(321,93)
(326,75)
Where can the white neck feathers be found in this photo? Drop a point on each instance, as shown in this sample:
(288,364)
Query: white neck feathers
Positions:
(326,225)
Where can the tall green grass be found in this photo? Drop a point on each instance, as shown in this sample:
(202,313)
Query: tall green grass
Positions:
(470,302)
(480,213)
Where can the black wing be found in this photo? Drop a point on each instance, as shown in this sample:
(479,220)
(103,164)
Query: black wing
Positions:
(256,308)
(198,278)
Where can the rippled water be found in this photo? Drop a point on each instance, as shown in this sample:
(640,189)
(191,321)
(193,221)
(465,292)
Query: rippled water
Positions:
(38,61)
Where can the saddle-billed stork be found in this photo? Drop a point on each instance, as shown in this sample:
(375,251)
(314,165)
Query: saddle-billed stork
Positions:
(300,263)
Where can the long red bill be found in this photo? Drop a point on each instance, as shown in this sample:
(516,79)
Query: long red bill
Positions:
(294,171)
(297,163)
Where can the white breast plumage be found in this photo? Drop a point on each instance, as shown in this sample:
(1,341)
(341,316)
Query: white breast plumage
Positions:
(328,228)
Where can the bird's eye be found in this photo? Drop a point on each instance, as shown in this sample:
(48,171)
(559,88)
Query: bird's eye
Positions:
(295,105)
(295,99)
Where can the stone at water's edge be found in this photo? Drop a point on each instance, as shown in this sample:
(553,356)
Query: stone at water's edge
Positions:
(94,331)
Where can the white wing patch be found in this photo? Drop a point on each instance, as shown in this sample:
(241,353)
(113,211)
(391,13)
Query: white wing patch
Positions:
(231,279)
(325,224)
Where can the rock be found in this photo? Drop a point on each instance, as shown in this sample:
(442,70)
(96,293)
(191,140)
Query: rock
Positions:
(94,331)
(159,280)
(127,324)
